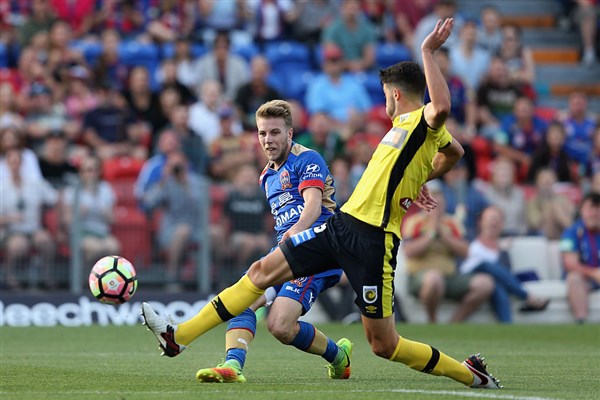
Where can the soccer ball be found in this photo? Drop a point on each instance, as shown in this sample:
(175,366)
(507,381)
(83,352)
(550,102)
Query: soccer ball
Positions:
(112,280)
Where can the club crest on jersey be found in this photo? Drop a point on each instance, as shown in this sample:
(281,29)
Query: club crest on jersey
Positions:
(284,179)
(298,282)
(405,203)
(370,294)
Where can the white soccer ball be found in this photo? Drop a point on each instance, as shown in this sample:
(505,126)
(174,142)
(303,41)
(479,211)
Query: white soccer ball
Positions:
(113,280)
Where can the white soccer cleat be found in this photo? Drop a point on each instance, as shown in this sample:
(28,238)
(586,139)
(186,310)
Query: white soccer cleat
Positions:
(164,332)
(481,378)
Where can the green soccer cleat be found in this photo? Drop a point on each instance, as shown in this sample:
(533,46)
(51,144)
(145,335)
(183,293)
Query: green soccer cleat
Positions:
(341,369)
(227,372)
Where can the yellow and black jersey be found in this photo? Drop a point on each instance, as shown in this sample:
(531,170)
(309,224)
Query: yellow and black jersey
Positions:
(399,167)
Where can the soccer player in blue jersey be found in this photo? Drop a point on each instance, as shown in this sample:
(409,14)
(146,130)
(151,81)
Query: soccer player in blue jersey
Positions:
(364,236)
(300,191)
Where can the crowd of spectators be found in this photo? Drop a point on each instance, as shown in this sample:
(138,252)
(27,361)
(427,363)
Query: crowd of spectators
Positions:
(172,87)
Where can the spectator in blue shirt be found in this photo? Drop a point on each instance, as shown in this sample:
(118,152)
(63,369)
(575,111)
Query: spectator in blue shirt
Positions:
(580,246)
(335,93)
(521,134)
(579,124)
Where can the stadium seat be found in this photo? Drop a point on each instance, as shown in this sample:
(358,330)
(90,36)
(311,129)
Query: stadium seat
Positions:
(530,254)
(247,51)
(168,50)
(218,195)
(372,83)
(288,54)
(387,54)
(134,53)
(123,189)
(121,167)
(3,56)
(11,76)
(132,229)
(51,222)
(546,113)
(291,83)
(91,50)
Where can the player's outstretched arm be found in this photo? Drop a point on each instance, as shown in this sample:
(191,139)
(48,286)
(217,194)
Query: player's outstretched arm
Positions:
(438,109)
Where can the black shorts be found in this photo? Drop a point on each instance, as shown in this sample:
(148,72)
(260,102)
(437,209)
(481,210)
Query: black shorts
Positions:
(366,254)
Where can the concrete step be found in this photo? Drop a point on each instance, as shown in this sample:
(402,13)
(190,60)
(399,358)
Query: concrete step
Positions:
(471,8)
(557,73)
(546,37)
(556,55)
(561,102)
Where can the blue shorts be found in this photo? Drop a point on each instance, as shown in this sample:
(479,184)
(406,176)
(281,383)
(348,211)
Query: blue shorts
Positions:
(306,290)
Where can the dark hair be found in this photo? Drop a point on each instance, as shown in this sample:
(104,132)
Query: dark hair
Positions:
(222,35)
(407,75)
(593,197)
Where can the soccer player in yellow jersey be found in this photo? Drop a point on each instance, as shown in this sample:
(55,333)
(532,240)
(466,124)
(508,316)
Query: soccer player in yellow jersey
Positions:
(363,238)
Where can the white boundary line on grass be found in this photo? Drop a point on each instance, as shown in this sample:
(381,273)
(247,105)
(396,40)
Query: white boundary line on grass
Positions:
(463,394)
(475,394)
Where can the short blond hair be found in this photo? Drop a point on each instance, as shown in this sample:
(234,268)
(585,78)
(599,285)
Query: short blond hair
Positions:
(276,109)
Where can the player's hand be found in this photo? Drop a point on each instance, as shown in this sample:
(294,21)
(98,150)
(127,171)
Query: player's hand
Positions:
(286,235)
(438,36)
(424,200)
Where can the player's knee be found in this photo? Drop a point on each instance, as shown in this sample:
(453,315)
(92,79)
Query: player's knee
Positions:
(280,331)
(258,275)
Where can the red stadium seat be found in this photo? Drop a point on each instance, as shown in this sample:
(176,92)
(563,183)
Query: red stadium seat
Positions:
(122,167)
(218,196)
(546,113)
(132,229)
(51,222)
(124,192)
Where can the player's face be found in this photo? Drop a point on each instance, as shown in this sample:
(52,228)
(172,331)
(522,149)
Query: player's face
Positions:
(275,139)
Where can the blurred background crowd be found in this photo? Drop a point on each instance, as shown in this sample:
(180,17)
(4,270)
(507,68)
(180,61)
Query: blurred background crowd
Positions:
(127,126)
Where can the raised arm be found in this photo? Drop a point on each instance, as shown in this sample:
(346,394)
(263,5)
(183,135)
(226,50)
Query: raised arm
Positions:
(438,109)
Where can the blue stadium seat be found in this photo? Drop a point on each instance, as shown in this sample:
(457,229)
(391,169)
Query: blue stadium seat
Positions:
(248,51)
(282,54)
(134,53)
(291,83)
(387,54)
(168,50)
(91,50)
(371,82)
(3,56)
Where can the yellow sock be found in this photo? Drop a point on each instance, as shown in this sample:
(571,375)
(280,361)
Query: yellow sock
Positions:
(229,303)
(319,344)
(427,359)
(238,339)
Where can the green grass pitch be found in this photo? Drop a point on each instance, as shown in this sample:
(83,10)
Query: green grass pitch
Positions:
(533,362)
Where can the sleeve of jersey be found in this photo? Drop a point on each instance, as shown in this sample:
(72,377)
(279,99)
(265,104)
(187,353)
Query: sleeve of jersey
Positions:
(444,137)
(568,241)
(312,170)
